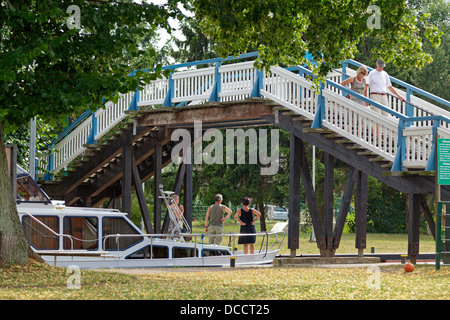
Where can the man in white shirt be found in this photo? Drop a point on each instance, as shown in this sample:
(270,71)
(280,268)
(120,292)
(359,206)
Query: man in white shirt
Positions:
(379,80)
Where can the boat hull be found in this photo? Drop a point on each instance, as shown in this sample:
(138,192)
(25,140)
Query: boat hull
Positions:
(116,263)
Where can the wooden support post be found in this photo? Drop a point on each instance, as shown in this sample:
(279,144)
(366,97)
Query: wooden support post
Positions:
(157,167)
(413,226)
(127,155)
(428,216)
(141,198)
(328,202)
(345,205)
(188,187)
(294,193)
(361,213)
(311,199)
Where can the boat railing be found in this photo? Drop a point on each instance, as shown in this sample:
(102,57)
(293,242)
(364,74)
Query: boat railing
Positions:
(49,229)
(199,239)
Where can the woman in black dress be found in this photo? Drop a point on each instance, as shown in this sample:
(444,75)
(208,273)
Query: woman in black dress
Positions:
(247,217)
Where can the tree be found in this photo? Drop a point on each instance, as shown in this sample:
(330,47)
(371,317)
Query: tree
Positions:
(196,46)
(240,175)
(59,58)
(284,31)
(433,77)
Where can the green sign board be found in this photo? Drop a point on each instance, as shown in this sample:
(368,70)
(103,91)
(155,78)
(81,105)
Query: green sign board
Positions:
(443,161)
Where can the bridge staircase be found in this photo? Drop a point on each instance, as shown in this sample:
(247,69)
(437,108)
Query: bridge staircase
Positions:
(105,154)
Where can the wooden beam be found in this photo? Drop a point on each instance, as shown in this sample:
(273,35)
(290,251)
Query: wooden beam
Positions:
(127,155)
(157,167)
(188,190)
(413,226)
(114,171)
(328,200)
(428,216)
(141,198)
(311,198)
(345,205)
(206,113)
(95,162)
(410,184)
(361,213)
(294,193)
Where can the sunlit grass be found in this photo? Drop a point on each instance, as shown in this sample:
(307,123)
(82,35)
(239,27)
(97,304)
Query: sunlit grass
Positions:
(382,243)
(36,281)
(41,281)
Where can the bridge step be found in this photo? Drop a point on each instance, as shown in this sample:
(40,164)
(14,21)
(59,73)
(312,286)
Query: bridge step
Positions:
(409,173)
(317,130)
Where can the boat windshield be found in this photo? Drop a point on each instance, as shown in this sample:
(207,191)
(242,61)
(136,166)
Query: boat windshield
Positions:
(117,225)
(28,190)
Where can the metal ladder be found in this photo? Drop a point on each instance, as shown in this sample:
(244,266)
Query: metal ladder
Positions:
(176,216)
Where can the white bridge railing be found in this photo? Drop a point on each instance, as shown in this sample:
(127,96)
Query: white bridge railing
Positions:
(403,137)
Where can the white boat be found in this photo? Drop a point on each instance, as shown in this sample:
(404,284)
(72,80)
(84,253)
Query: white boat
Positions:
(94,238)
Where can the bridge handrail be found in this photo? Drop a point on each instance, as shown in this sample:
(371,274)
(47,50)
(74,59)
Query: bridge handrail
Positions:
(413,142)
(201,236)
(87,113)
(90,118)
(374,103)
(210,86)
(410,89)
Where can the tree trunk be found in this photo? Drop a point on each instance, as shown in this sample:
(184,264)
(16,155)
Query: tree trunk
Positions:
(263,215)
(13,245)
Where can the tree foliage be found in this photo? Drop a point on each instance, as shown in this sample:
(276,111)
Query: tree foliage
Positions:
(51,69)
(284,31)
(433,77)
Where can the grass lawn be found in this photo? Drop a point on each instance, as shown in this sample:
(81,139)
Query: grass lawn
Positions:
(41,281)
(383,243)
(36,281)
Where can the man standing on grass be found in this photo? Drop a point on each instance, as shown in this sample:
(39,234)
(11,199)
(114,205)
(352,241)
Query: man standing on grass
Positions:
(215,215)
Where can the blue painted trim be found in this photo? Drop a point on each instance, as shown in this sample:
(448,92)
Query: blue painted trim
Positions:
(168,99)
(93,133)
(48,176)
(344,70)
(207,61)
(214,96)
(257,86)
(133,104)
(431,166)
(72,126)
(409,107)
(400,155)
(320,114)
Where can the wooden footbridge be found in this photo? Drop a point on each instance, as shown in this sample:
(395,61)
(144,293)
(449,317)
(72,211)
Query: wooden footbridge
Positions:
(104,155)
